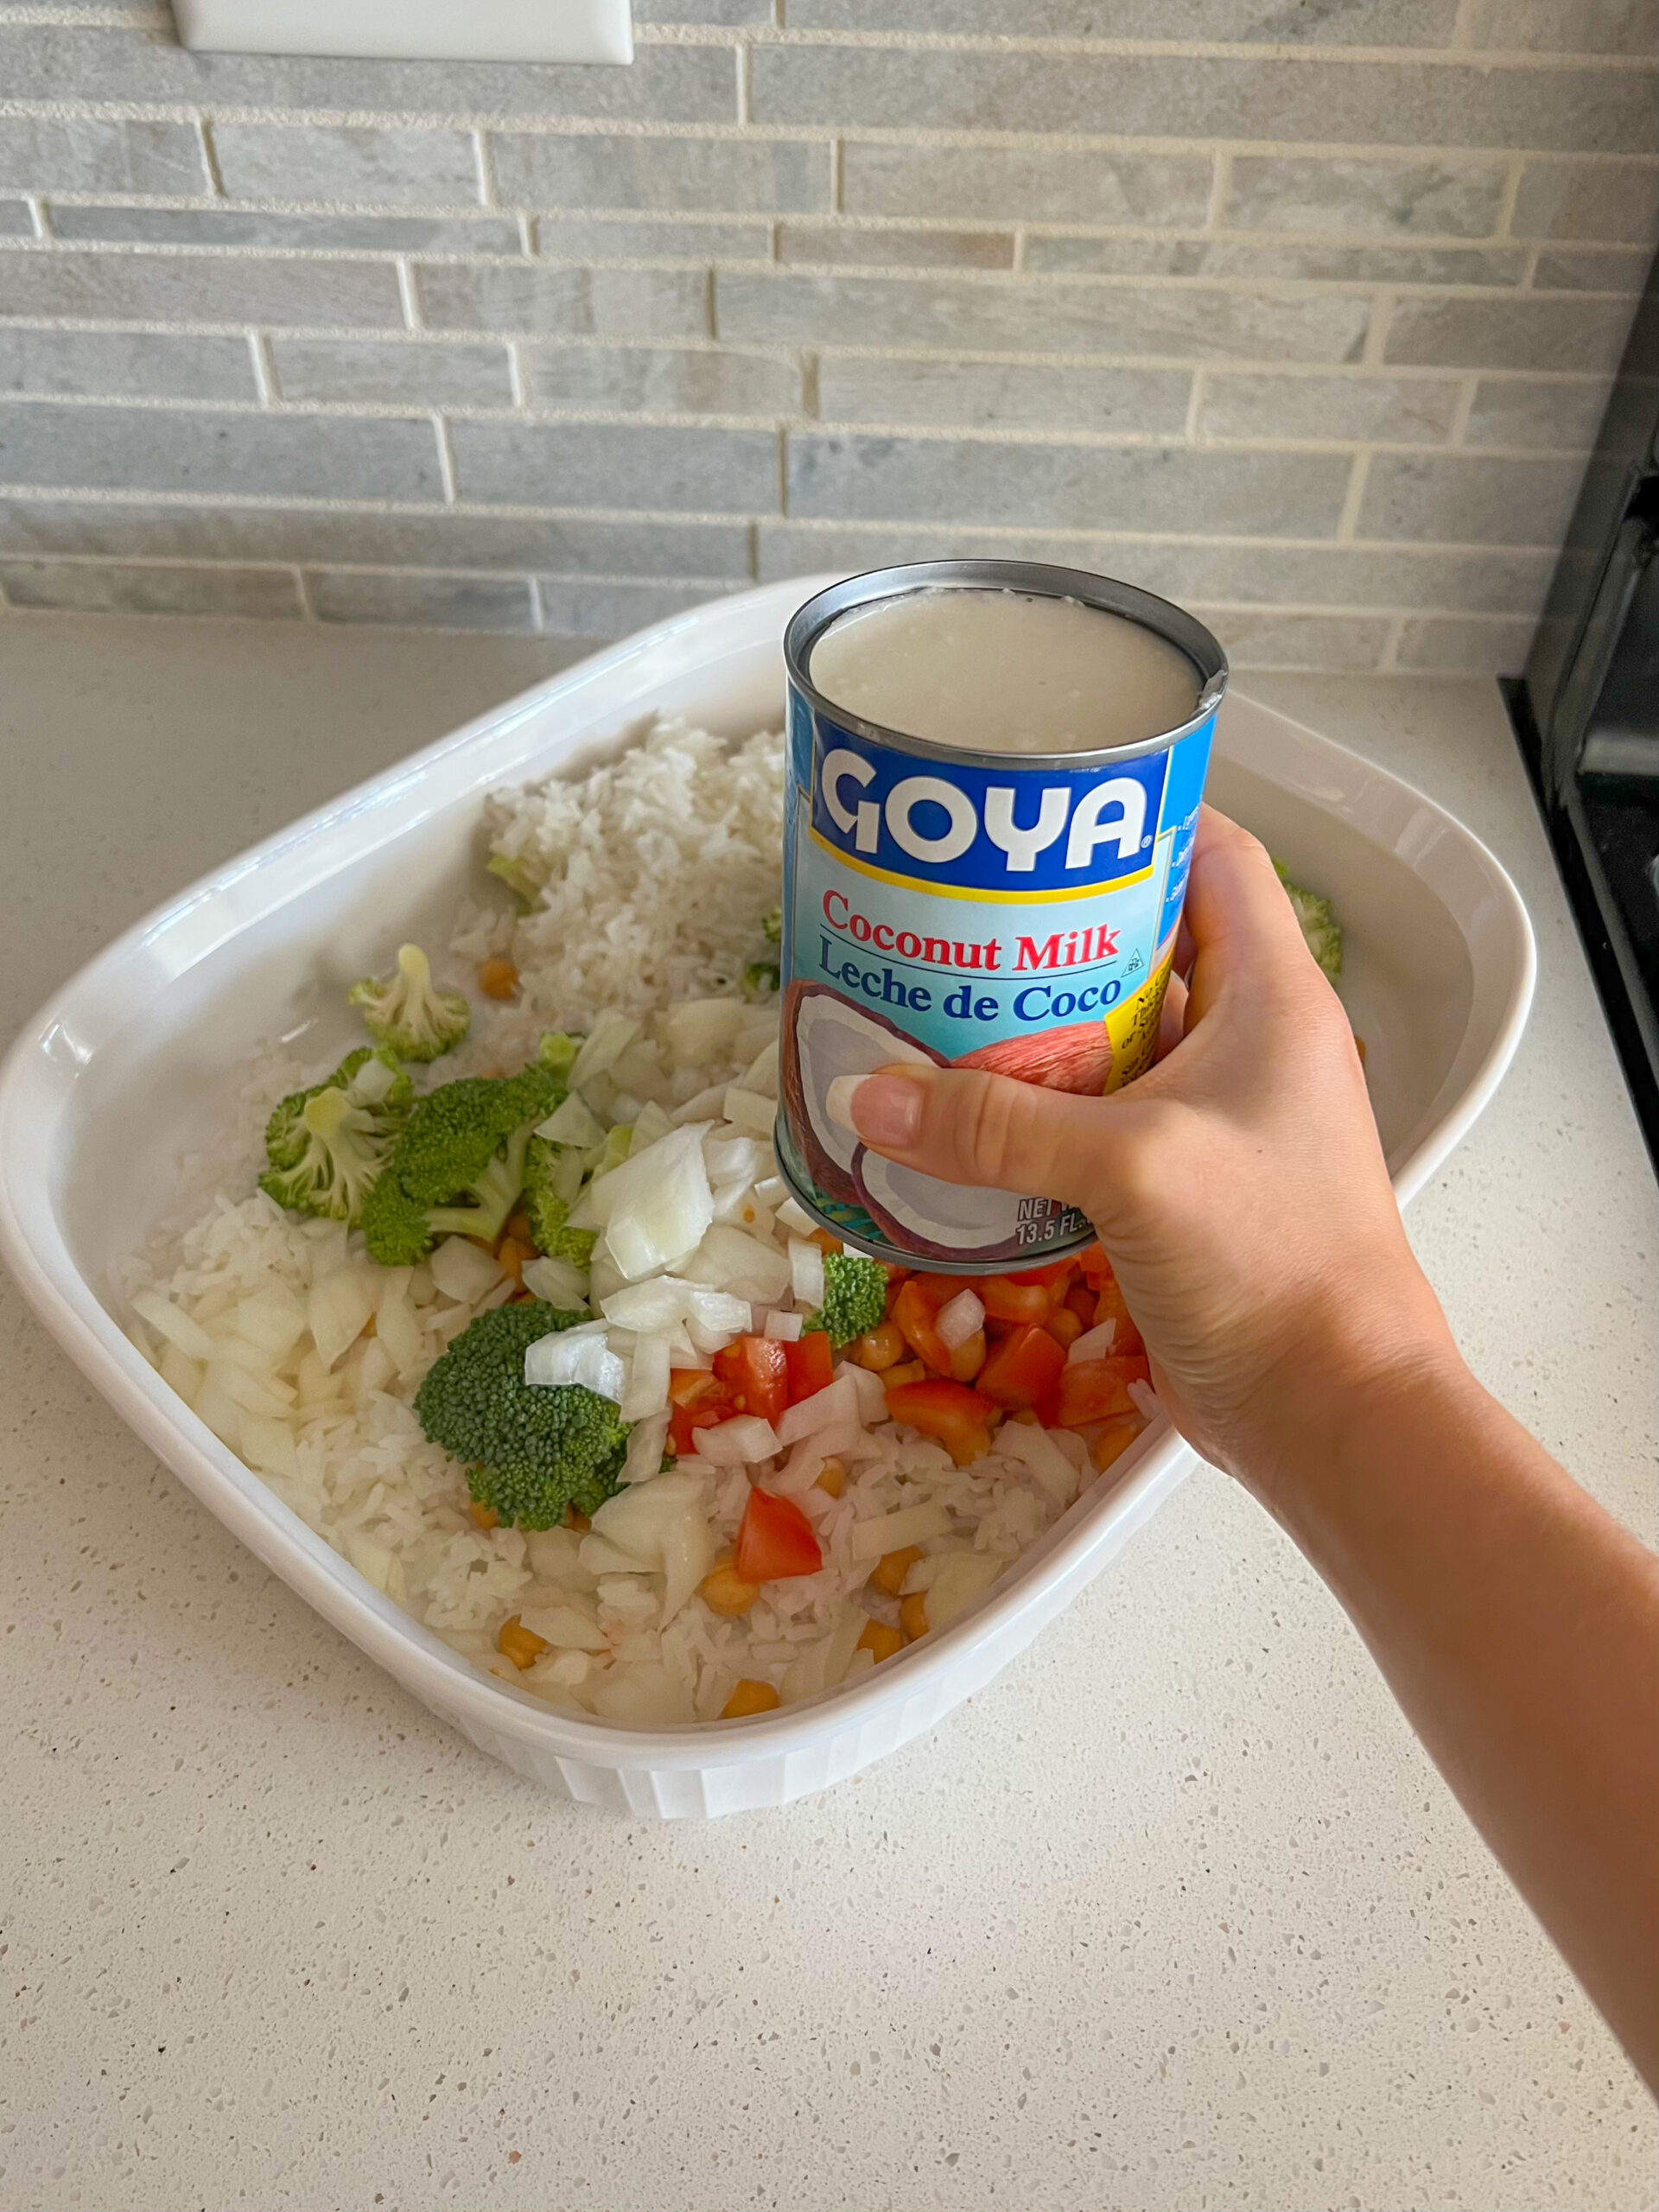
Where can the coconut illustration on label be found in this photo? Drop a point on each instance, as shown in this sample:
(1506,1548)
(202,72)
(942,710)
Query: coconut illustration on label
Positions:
(995,775)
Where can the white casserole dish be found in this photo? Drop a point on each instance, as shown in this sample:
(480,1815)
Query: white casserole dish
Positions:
(136,1059)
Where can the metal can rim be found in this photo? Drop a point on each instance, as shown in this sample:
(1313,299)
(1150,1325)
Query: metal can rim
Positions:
(1037,580)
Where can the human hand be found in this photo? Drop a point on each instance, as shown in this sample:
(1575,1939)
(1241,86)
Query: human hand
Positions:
(1238,1187)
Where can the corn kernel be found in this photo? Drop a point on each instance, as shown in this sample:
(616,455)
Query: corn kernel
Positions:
(485,1516)
(497,979)
(749,1698)
(890,1572)
(1115,1439)
(881,1348)
(723,1592)
(881,1640)
(520,1644)
(832,1478)
(912,1617)
(909,1370)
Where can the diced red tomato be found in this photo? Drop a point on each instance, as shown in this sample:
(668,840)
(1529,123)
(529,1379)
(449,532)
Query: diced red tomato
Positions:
(687,1384)
(710,1405)
(1024,1369)
(1093,1389)
(1094,1263)
(954,1416)
(810,1364)
(1113,1440)
(775,1541)
(1109,1307)
(1081,1299)
(756,1376)
(1063,1325)
(1014,1298)
(913,1313)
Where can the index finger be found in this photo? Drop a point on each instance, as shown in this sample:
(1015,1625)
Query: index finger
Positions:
(1237,910)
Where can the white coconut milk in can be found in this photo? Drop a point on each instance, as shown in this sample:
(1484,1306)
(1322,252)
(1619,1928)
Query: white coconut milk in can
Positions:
(994,778)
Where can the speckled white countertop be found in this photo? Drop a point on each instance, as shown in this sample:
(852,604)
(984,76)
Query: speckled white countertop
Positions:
(1175,1915)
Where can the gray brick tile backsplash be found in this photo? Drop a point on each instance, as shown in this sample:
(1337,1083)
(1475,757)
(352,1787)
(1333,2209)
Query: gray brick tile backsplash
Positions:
(1035,184)
(991,394)
(1380,409)
(1598,111)
(570,302)
(943,479)
(425,375)
(134,365)
(1310,337)
(724,176)
(576,238)
(89,154)
(1227,258)
(147,449)
(234,226)
(424,169)
(1384,22)
(434,602)
(660,380)
(1519,334)
(830,243)
(1469,501)
(616,465)
(108,587)
(1347,193)
(447,540)
(955,315)
(667,83)
(1614,200)
(139,286)
(1522,411)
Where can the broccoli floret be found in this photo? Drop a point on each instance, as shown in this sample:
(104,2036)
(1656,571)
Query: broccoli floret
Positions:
(854,1297)
(407,1014)
(458,1166)
(552,1179)
(558,1051)
(531,1450)
(326,1145)
(525,887)
(1322,932)
(771,926)
(761,979)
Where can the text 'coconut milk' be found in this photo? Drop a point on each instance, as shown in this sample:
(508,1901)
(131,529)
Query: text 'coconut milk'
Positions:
(994,772)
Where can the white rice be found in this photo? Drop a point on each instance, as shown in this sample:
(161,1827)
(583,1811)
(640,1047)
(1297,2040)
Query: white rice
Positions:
(656,871)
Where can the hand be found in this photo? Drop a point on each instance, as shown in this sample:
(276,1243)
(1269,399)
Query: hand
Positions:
(1238,1187)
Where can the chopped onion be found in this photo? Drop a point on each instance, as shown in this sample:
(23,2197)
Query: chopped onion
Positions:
(168,1321)
(871,1398)
(700,1031)
(656,1303)
(738,1443)
(897,1532)
(464,1270)
(771,1191)
(795,1217)
(734,1203)
(647,1440)
(371,1083)
(647,1389)
(823,1664)
(663,1524)
(600,1556)
(761,1074)
(272,1319)
(339,1307)
(560,1282)
(603,1047)
(732,1261)
(253,1394)
(960,1317)
(837,1402)
(268,1445)
(1093,1343)
(645,1694)
(603,1274)
(573,1122)
(657,1205)
(806,1272)
(1146,1399)
(555,1557)
(576,1356)
(375,1564)
(713,1310)
(181,1373)
(649,1123)
(1043,1460)
(785,1328)
(738,1159)
(567,1625)
(749,1111)
(706,1106)
(962,1578)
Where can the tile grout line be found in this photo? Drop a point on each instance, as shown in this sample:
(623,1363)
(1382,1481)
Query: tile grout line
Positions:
(1348,521)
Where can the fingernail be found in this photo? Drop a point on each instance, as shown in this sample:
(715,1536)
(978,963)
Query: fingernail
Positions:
(881,1109)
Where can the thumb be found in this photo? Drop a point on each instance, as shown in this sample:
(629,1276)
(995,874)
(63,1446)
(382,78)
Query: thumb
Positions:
(965,1126)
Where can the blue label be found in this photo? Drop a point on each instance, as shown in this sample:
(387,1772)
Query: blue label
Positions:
(1000,830)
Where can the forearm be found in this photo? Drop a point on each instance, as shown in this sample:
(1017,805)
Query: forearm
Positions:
(1518,1626)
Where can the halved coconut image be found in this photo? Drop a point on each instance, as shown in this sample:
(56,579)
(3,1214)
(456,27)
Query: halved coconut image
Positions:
(1076,1057)
(941,1221)
(825,1035)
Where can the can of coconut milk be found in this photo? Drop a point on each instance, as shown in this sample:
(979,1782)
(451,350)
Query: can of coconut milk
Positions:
(974,907)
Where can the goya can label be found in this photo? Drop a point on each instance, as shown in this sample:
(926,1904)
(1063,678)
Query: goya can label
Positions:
(1016,913)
